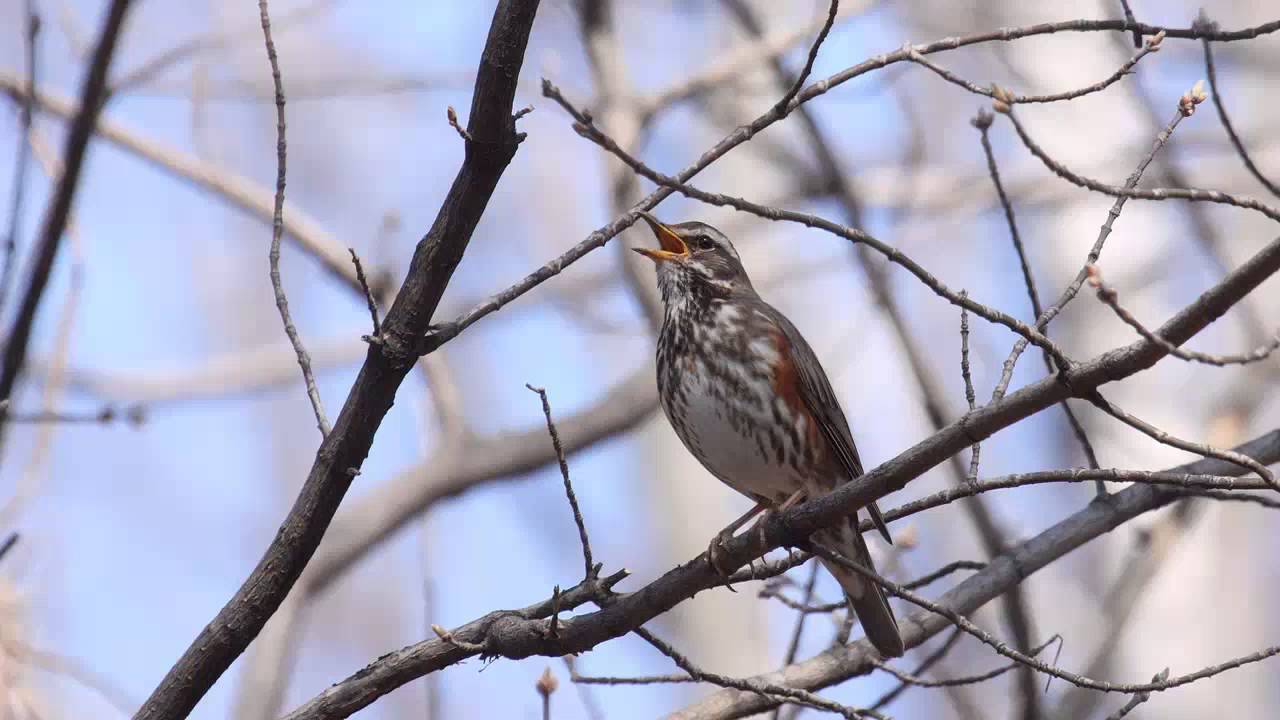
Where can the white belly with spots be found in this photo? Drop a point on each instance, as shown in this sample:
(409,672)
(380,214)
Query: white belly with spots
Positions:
(731,440)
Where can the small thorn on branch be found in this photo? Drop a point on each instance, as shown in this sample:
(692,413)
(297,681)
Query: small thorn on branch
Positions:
(453,122)
(449,638)
(554,628)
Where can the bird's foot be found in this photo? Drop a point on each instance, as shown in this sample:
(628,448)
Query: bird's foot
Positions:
(715,556)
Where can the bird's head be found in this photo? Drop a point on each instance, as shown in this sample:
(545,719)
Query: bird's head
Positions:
(694,258)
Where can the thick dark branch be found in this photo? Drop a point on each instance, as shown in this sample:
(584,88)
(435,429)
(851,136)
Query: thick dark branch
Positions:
(494,143)
(92,96)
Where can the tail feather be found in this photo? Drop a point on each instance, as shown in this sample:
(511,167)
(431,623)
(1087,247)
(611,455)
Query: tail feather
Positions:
(865,597)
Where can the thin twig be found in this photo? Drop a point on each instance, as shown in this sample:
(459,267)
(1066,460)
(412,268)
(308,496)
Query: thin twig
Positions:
(1212,73)
(590,568)
(798,85)
(588,130)
(1004,96)
(1000,647)
(933,659)
(368,294)
(1189,101)
(18,202)
(916,680)
(135,415)
(983,123)
(445,332)
(1165,438)
(1138,699)
(1111,299)
(277,232)
(1104,232)
(969,395)
(9,542)
(1131,20)
(777,692)
(92,96)
(793,645)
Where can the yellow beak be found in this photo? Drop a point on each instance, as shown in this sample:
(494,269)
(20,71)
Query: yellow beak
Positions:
(673,248)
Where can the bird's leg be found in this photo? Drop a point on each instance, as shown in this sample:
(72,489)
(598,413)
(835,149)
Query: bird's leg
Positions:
(785,506)
(716,547)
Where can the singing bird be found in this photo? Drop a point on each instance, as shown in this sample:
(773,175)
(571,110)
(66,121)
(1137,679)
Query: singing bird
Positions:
(748,398)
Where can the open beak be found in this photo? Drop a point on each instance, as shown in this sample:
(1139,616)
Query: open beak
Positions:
(673,248)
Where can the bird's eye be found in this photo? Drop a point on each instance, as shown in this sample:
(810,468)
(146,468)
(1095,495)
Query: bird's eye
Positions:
(705,242)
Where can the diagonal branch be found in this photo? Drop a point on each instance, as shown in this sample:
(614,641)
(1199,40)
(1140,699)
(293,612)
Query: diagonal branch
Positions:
(340,456)
(92,95)
(1098,518)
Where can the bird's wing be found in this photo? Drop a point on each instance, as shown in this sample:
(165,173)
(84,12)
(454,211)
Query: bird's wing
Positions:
(820,399)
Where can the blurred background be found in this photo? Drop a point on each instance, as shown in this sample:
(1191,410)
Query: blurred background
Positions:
(134,532)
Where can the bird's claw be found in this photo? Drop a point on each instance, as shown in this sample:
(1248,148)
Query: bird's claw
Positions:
(715,553)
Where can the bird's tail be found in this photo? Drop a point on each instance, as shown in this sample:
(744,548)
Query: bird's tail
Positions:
(865,596)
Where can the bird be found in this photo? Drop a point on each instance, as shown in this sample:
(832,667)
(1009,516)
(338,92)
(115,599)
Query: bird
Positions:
(749,399)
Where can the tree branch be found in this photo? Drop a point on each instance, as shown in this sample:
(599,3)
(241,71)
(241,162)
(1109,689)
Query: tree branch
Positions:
(92,96)
(492,126)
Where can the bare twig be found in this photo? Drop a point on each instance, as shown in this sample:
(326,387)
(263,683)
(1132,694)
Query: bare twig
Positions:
(236,190)
(1019,562)
(1024,659)
(217,39)
(1165,438)
(343,451)
(1002,95)
(1140,698)
(1189,102)
(1111,299)
(92,96)
(758,687)
(447,331)
(924,666)
(983,123)
(776,593)
(135,415)
(589,131)
(793,645)
(916,680)
(368,294)
(8,544)
(1212,73)
(277,231)
(1104,232)
(1131,20)
(590,570)
(798,85)
(23,154)
(969,395)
